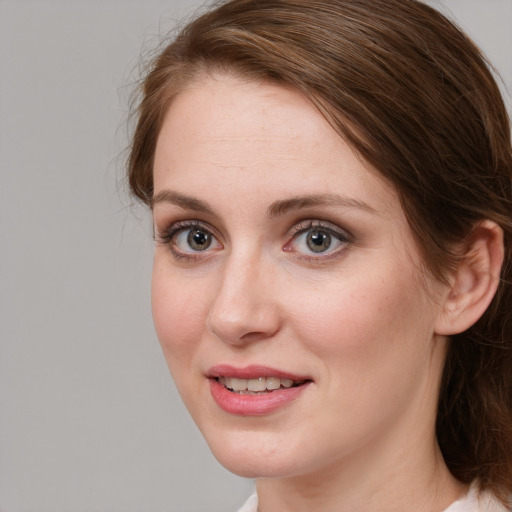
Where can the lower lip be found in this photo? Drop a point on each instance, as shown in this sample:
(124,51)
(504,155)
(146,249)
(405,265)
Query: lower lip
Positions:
(253,405)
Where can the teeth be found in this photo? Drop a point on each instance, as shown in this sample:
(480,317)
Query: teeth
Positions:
(236,384)
(261,384)
(273,383)
(286,383)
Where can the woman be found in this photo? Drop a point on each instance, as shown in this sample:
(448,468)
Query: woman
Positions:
(330,182)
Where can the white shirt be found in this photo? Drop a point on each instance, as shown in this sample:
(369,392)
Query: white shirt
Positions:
(472,502)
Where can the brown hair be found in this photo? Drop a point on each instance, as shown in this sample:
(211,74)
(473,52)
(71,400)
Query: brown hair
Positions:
(415,97)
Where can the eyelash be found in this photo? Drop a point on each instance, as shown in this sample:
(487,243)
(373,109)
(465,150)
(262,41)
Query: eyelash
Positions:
(342,236)
(168,237)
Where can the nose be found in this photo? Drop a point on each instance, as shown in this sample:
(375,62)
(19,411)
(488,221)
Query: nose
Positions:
(245,308)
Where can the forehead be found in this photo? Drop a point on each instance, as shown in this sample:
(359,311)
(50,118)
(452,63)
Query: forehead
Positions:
(253,136)
(219,108)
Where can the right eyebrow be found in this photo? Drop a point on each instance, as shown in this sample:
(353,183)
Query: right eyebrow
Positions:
(181,200)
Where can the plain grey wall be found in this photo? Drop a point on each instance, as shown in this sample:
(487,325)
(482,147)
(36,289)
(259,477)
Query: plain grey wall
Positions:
(89,418)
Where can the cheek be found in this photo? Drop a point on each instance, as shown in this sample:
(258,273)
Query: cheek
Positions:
(372,339)
(369,323)
(179,315)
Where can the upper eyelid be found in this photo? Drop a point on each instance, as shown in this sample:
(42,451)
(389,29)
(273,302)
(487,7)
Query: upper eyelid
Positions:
(297,226)
(166,230)
(174,227)
(167,214)
(307,224)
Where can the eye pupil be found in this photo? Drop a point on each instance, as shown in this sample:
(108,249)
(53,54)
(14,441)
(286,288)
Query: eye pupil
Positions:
(199,240)
(318,241)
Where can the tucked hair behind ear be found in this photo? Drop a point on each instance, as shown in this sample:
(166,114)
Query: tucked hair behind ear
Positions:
(415,97)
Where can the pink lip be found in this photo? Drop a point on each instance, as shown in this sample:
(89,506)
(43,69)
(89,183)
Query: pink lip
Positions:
(253,405)
(251,372)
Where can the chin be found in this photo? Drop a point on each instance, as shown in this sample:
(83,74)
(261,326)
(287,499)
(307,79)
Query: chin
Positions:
(247,466)
(256,455)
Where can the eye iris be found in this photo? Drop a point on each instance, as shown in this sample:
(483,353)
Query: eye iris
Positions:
(199,240)
(318,241)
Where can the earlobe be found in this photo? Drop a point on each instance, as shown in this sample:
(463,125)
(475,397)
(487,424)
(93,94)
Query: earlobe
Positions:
(475,280)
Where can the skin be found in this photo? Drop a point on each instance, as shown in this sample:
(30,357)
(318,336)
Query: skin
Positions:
(359,319)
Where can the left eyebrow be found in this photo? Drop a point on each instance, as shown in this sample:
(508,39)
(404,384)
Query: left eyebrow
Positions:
(279,208)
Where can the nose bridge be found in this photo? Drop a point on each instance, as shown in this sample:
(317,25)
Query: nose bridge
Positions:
(244,307)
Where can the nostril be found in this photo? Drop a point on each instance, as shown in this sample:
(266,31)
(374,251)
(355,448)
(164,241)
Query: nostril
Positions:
(253,336)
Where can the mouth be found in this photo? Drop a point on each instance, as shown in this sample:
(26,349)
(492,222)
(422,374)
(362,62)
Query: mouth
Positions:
(254,390)
(258,385)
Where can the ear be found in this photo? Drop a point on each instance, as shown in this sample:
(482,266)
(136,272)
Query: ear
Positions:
(475,280)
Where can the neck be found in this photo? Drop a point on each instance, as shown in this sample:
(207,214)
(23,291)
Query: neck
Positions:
(412,477)
(362,492)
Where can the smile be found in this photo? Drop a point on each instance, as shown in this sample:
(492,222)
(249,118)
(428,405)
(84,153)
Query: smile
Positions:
(255,390)
(259,385)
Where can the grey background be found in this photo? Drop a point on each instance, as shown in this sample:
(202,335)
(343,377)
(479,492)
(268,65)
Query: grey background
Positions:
(89,418)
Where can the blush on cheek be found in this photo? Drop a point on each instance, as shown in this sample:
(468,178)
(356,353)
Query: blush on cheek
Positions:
(178,323)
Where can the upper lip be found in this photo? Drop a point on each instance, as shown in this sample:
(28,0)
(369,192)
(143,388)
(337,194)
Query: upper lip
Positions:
(251,372)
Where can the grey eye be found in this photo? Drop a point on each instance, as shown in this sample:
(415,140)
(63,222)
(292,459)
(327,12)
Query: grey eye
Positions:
(194,239)
(198,240)
(318,240)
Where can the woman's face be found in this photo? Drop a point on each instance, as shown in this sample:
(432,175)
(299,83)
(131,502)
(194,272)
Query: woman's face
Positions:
(287,291)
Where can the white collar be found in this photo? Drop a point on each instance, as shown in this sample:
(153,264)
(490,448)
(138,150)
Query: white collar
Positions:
(471,502)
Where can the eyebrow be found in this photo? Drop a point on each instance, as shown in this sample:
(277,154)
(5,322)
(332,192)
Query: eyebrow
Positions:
(181,200)
(279,208)
(276,209)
